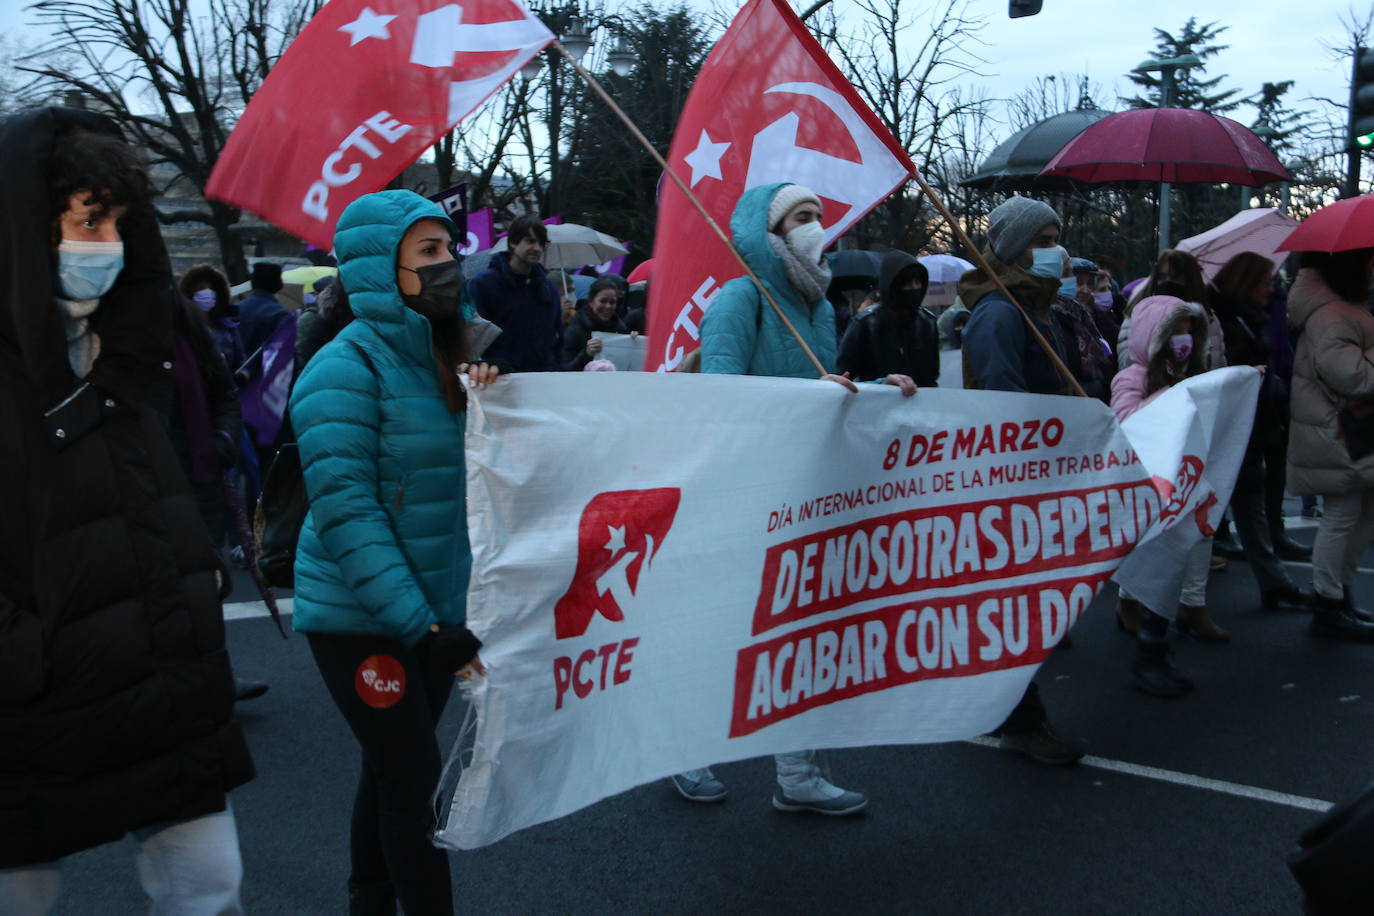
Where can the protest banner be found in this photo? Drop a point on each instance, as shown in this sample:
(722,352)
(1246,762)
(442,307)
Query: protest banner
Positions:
(394,82)
(806,568)
(753,119)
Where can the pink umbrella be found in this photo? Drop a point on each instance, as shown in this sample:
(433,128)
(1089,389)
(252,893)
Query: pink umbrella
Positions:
(1174,145)
(1261,230)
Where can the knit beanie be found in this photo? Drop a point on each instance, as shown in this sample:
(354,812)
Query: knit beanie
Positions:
(788,196)
(1013,225)
(267,276)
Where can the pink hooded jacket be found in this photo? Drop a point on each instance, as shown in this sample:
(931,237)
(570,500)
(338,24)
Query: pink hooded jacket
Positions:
(1153,322)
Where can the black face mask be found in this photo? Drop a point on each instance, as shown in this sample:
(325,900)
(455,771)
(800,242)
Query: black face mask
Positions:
(910,300)
(440,287)
(1170,288)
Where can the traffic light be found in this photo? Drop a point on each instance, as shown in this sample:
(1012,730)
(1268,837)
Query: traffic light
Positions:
(1018,8)
(1362,99)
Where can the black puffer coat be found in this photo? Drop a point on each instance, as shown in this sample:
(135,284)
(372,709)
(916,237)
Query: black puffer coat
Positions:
(116,700)
(889,338)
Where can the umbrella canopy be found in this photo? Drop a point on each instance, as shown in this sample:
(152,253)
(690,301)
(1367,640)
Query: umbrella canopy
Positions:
(1343,226)
(945,271)
(1016,164)
(308,276)
(1177,145)
(1261,230)
(854,263)
(640,273)
(570,246)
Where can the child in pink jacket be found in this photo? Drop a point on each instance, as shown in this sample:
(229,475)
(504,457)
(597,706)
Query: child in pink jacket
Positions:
(1168,344)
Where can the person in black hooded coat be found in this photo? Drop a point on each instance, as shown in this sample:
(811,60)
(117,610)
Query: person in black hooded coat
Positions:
(116,698)
(898,335)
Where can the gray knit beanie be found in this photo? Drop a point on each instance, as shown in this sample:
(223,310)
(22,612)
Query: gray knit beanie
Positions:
(788,196)
(1013,225)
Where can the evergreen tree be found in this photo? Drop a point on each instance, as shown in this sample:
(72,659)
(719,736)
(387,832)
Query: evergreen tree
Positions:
(1190,89)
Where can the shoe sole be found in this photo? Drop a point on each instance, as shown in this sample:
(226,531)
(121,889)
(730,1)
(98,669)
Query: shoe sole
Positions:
(250,694)
(796,807)
(700,799)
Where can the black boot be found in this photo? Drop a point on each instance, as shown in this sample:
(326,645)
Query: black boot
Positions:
(245,689)
(1285,598)
(375,899)
(1338,618)
(1285,548)
(1155,674)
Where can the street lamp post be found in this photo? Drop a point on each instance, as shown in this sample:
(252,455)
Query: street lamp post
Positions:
(1167,69)
(576,38)
(1265,133)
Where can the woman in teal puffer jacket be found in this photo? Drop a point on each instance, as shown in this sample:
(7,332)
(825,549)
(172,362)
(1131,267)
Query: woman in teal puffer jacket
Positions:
(383,559)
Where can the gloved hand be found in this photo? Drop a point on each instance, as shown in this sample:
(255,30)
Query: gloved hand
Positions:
(451,646)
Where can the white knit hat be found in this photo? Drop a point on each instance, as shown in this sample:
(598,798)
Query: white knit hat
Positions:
(788,196)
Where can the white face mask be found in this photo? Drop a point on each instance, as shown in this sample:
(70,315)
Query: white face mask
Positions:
(807,240)
(87,270)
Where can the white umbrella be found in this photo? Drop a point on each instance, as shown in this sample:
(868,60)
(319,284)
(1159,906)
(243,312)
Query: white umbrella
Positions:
(945,271)
(1261,230)
(570,246)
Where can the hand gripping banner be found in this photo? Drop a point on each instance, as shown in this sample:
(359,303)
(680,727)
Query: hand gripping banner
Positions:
(366,88)
(805,568)
(767,106)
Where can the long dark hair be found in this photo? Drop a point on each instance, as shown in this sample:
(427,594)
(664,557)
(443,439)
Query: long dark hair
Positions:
(451,350)
(1184,269)
(1346,273)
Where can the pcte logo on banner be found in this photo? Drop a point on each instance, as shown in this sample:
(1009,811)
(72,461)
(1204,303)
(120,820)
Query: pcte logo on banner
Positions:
(380,681)
(618,537)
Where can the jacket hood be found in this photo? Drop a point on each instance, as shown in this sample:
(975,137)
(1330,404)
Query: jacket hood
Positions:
(749,228)
(894,263)
(134,320)
(366,243)
(1153,323)
(207,275)
(1308,294)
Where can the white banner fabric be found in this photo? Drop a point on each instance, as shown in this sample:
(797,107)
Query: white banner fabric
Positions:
(671,571)
(625,351)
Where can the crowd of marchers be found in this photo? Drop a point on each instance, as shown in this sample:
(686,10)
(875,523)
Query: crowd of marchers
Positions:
(132,460)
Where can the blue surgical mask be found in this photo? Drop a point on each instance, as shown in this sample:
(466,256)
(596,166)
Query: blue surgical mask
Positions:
(1102,300)
(1047,263)
(205,299)
(87,270)
(1069,288)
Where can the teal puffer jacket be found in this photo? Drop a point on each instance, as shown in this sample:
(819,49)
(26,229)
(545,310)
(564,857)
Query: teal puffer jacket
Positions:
(384,549)
(740,333)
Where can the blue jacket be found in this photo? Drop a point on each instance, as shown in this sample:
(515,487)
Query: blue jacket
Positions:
(1002,354)
(259,315)
(384,549)
(740,333)
(526,309)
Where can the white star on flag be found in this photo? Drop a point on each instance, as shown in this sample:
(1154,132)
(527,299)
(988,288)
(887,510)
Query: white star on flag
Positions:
(705,159)
(617,541)
(367,25)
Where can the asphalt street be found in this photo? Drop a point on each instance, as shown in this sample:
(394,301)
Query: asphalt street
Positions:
(958,828)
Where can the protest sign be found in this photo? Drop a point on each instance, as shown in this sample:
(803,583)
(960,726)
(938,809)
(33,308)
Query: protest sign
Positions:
(805,568)
(624,351)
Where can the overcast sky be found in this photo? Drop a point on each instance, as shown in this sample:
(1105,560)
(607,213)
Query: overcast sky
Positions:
(1270,41)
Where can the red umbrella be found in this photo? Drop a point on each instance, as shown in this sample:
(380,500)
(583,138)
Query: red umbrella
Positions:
(1343,226)
(641,272)
(1174,145)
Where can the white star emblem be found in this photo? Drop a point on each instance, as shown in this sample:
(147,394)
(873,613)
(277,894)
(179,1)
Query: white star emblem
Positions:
(705,159)
(617,541)
(367,25)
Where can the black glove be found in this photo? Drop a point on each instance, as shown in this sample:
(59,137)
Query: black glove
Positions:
(452,647)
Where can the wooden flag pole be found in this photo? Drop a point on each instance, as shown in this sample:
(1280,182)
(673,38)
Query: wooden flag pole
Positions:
(682,186)
(1001,287)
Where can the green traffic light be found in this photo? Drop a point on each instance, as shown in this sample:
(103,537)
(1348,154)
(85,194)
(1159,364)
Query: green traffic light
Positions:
(1366,141)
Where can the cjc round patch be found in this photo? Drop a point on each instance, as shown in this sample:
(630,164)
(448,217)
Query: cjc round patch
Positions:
(380,681)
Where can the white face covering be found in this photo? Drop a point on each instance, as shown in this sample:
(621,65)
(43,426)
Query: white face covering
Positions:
(807,240)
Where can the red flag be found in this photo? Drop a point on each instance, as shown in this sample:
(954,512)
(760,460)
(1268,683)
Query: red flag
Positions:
(360,94)
(768,106)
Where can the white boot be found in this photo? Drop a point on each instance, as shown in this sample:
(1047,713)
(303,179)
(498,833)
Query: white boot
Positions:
(802,786)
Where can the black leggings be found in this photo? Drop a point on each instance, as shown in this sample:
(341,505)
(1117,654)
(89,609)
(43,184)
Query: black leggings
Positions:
(394,722)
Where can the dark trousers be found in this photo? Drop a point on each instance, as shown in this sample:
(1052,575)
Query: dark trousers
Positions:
(392,815)
(1275,480)
(1027,715)
(1254,527)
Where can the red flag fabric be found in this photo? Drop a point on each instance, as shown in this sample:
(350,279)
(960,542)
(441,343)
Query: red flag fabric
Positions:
(768,106)
(365,88)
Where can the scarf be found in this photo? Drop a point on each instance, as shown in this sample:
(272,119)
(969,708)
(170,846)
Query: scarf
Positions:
(83,345)
(810,280)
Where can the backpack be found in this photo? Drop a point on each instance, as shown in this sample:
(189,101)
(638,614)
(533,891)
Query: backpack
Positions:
(284,503)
